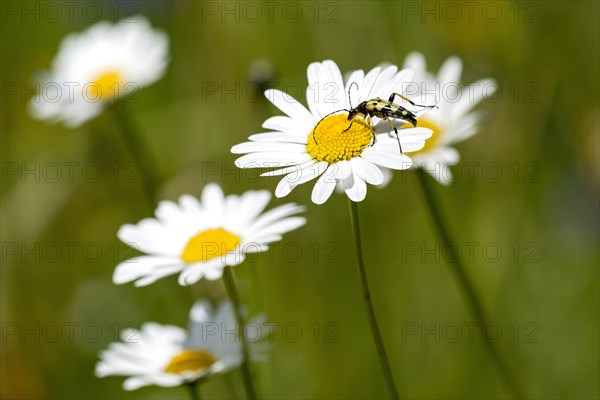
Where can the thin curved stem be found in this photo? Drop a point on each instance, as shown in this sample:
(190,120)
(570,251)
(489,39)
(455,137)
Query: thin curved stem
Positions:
(381,353)
(139,150)
(233,294)
(465,282)
(194,392)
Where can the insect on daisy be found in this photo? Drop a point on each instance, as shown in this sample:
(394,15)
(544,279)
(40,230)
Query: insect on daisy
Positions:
(96,67)
(453,121)
(167,355)
(318,142)
(198,239)
(380,108)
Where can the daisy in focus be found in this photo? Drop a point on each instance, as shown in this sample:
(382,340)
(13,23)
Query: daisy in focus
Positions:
(96,67)
(307,144)
(166,355)
(453,121)
(199,238)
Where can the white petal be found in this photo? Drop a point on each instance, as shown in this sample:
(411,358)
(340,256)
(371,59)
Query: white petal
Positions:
(213,201)
(387,177)
(408,134)
(251,204)
(449,74)
(415,61)
(437,163)
(274,215)
(252,147)
(387,157)
(368,83)
(358,189)
(473,94)
(145,266)
(283,188)
(211,269)
(312,99)
(150,236)
(324,186)
(338,95)
(159,274)
(367,171)
(411,139)
(461,129)
(296,168)
(381,85)
(230,259)
(190,204)
(135,382)
(306,174)
(325,88)
(289,105)
(287,137)
(399,82)
(343,169)
(290,181)
(271,160)
(288,125)
(278,228)
(440,173)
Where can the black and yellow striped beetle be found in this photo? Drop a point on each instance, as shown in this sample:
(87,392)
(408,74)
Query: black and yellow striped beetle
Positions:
(380,108)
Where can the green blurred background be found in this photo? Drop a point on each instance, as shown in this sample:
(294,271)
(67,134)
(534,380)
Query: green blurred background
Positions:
(541,212)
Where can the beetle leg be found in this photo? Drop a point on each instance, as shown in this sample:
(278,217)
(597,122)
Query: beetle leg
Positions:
(396,131)
(407,99)
(372,131)
(349,126)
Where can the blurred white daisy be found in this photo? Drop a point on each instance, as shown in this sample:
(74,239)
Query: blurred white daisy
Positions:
(340,154)
(166,355)
(452,121)
(199,238)
(97,66)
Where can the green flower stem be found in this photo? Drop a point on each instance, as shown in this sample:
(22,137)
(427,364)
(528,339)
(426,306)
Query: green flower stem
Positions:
(381,353)
(194,392)
(139,150)
(463,279)
(233,293)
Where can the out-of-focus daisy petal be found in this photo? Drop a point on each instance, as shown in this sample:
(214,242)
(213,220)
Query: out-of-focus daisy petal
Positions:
(98,66)
(169,356)
(196,239)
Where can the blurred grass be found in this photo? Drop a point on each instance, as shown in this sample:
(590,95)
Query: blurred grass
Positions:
(191,132)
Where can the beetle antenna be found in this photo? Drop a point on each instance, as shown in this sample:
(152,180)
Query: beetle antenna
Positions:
(350,87)
(314,131)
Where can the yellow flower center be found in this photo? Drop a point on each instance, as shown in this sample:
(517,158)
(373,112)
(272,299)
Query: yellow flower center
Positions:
(190,360)
(209,244)
(105,86)
(433,141)
(332,141)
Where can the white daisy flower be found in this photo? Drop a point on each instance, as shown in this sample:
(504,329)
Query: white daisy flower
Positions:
(166,355)
(342,152)
(97,66)
(452,121)
(197,239)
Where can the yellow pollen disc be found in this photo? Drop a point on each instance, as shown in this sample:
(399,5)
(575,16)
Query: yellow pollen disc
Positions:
(209,244)
(105,86)
(190,360)
(333,144)
(432,142)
